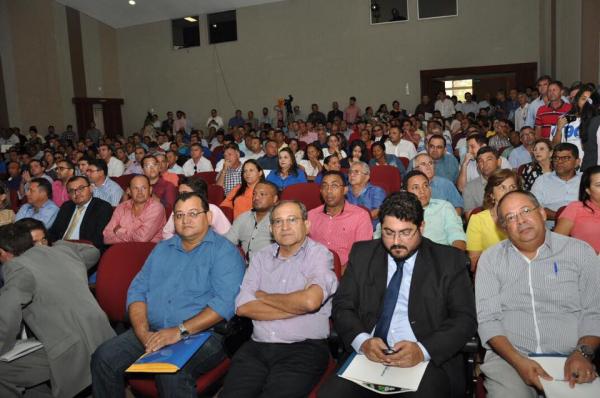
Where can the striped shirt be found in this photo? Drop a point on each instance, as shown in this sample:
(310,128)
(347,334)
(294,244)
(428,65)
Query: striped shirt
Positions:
(547,117)
(544,305)
(110,191)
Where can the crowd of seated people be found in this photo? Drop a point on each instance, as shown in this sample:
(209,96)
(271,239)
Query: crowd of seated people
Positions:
(479,182)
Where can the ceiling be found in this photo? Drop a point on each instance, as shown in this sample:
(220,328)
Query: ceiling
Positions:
(119,14)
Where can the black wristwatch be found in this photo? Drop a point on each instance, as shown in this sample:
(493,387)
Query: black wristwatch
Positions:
(586,351)
(183,332)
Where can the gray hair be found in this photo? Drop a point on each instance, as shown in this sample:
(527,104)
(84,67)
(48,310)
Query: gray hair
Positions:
(300,205)
(365,166)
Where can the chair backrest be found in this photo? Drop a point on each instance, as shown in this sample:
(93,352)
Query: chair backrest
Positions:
(337,265)
(387,177)
(118,266)
(209,177)
(308,193)
(123,180)
(215,194)
(228,211)
(405,161)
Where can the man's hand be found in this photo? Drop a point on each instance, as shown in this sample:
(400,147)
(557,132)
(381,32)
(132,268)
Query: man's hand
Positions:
(468,158)
(26,177)
(259,294)
(579,370)
(374,348)
(162,338)
(407,354)
(531,371)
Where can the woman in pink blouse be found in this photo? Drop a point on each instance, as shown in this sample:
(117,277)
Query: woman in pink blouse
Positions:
(581,219)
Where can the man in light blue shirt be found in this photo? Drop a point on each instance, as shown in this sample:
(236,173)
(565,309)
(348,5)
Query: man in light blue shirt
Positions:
(104,188)
(187,285)
(39,204)
(442,224)
(446,164)
(522,154)
(441,188)
(561,187)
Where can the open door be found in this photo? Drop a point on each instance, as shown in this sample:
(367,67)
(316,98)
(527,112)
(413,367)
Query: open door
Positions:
(111,111)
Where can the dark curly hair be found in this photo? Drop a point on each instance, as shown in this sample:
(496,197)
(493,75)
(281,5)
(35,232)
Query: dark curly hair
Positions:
(404,206)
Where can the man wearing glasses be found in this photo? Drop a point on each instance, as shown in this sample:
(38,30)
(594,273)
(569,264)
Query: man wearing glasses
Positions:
(187,285)
(537,293)
(102,186)
(561,187)
(404,300)
(338,223)
(83,217)
(286,293)
(64,171)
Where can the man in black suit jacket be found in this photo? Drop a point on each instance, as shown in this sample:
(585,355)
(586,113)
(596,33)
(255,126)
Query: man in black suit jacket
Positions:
(430,316)
(94,215)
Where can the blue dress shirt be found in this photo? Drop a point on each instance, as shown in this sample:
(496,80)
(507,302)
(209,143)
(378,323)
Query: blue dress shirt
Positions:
(400,328)
(177,285)
(371,197)
(46,214)
(442,188)
(291,179)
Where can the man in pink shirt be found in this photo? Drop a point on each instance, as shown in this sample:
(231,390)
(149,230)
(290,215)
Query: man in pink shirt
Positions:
(64,170)
(338,224)
(352,112)
(139,219)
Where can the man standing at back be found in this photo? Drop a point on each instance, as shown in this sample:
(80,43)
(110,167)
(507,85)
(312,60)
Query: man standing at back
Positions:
(116,168)
(46,289)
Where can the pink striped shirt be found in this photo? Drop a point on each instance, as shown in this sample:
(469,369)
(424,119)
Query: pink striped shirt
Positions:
(339,233)
(147,227)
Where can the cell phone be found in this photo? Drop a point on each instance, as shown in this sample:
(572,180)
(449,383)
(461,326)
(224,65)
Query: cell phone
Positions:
(389,351)
(570,117)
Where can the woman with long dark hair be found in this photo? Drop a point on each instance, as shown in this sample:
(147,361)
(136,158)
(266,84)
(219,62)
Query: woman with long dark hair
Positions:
(581,219)
(240,197)
(287,173)
(312,162)
(358,153)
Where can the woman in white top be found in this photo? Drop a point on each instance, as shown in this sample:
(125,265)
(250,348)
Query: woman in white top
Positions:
(295,147)
(568,126)
(333,147)
(313,164)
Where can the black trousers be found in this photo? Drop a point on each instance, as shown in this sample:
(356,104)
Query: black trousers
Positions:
(435,384)
(273,370)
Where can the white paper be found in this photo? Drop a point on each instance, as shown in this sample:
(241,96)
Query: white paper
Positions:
(362,370)
(21,348)
(558,388)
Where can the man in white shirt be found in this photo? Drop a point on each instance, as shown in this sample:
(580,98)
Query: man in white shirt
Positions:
(116,168)
(468,106)
(444,105)
(399,147)
(521,112)
(214,120)
(197,163)
(254,148)
(173,167)
(468,168)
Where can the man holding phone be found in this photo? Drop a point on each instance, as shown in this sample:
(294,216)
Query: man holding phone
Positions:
(404,300)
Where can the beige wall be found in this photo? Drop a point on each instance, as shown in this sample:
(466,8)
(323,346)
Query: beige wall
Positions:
(38,78)
(590,43)
(318,51)
(100,58)
(568,40)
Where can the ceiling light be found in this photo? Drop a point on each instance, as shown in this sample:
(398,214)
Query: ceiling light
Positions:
(214,25)
(131,2)
(190,19)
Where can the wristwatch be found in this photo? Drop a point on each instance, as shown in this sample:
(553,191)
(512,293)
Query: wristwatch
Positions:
(183,332)
(586,351)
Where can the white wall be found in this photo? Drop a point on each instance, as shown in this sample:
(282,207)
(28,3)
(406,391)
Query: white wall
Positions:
(318,51)
(568,40)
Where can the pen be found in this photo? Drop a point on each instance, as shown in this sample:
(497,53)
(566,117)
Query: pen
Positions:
(555,268)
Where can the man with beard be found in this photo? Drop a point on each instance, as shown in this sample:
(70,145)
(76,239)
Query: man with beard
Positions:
(426,313)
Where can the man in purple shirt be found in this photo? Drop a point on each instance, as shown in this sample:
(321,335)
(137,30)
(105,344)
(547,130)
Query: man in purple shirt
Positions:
(286,293)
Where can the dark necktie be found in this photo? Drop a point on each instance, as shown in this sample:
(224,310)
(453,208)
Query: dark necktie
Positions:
(389,303)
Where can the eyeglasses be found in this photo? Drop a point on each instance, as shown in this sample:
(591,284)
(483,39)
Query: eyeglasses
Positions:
(291,221)
(151,166)
(424,164)
(193,214)
(327,187)
(559,159)
(357,172)
(525,212)
(77,190)
(404,234)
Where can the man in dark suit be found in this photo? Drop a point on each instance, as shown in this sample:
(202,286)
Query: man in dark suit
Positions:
(426,312)
(83,217)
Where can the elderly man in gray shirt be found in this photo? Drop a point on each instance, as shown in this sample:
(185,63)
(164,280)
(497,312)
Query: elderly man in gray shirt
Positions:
(251,230)
(286,293)
(536,293)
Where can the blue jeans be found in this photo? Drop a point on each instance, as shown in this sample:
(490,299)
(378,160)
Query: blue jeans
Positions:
(115,355)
